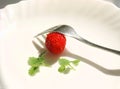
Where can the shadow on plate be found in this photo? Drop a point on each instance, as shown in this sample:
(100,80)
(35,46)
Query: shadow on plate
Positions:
(115,72)
(50,59)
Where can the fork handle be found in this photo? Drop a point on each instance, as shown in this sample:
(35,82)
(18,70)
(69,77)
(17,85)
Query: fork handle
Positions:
(98,46)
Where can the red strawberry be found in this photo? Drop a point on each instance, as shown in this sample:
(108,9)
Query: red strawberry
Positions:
(55,42)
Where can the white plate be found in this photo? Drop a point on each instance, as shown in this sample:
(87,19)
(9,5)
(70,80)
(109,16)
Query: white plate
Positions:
(94,20)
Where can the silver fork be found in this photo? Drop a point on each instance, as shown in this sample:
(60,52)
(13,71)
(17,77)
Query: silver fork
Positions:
(69,31)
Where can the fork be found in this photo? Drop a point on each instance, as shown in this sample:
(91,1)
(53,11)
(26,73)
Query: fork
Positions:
(69,31)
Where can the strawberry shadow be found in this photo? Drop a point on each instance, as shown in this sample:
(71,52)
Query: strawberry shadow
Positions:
(50,58)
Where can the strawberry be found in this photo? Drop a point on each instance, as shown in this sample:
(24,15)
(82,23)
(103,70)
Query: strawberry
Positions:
(55,42)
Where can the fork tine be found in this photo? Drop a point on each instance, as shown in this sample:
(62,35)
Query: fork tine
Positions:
(44,36)
(39,43)
(37,46)
(42,40)
(41,33)
(49,30)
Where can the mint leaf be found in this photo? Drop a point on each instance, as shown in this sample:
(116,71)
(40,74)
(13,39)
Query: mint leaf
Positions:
(64,62)
(33,61)
(67,70)
(33,70)
(65,65)
(75,62)
(61,68)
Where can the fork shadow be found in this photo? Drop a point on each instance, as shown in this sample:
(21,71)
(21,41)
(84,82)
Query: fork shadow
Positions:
(52,59)
(115,72)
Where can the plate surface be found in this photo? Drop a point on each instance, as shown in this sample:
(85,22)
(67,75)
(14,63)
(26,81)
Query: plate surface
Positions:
(97,21)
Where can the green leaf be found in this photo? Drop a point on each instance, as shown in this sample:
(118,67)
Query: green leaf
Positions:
(36,62)
(75,62)
(61,69)
(41,59)
(33,61)
(65,65)
(33,70)
(67,70)
(64,62)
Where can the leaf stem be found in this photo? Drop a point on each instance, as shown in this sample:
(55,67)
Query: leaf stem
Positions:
(42,54)
(71,67)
